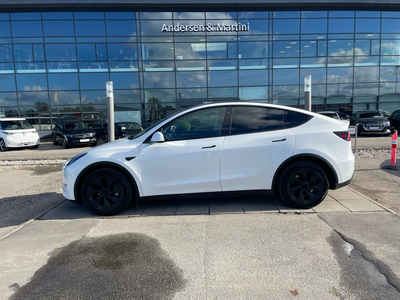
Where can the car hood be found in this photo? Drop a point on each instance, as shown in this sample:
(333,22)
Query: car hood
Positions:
(372,120)
(79,131)
(112,150)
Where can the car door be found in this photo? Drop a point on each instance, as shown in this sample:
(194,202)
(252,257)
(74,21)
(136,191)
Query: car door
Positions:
(189,159)
(57,131)
(258,143)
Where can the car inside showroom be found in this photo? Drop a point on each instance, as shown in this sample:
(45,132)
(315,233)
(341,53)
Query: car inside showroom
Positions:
(56,57)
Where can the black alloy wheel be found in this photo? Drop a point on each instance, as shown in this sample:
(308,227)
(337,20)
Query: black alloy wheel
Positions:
(106,192)
(55,140)
(65,143)
(3,145)
(303,185)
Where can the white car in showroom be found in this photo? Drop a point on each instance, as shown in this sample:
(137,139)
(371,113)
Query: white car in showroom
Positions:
(16,133)
(213,150)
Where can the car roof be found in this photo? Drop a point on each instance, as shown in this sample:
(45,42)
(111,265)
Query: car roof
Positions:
(328,112)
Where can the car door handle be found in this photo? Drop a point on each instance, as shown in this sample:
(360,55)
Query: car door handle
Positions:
(207,147)
(282,140)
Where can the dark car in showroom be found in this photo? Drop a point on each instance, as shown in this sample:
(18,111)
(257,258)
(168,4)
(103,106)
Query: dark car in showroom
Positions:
(124,129)
(371,122)
(70,133)
(394,119)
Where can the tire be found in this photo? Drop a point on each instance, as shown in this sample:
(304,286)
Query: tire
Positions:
(303,185)
(106,192)
(65,143)
(54,140)
(3,145)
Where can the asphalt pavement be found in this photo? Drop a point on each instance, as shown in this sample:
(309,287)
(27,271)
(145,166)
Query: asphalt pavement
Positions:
(233,248)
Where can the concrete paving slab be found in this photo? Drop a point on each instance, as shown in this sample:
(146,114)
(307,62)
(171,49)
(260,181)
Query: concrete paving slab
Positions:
(330,205)
(225,206)
(348,196)
(284,208)
(361,205)
(259,206)
(164,208)
(193,207)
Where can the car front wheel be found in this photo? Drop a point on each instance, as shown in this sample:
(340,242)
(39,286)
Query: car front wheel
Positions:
(106,192)
(303,185)
(3,145)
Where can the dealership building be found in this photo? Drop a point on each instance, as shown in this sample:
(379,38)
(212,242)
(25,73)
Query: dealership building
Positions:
(162,56)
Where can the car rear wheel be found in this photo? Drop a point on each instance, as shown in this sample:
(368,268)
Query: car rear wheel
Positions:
(106,192)
(3,145)
(303,185)
(65,143)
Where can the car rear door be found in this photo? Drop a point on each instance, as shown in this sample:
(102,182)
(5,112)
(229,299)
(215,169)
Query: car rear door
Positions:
(258,143)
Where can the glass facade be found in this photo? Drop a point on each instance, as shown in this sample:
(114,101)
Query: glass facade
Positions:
(55,64)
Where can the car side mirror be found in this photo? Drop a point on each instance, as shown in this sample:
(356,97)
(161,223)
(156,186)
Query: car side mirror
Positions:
(157,137)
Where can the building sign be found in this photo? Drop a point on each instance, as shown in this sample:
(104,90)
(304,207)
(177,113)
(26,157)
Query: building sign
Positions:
(206,28)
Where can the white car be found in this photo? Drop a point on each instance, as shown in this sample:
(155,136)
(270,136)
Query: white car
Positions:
(213,150)
(17,132)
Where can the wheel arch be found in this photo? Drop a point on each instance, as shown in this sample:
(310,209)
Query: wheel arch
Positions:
(318,160)
(100,165)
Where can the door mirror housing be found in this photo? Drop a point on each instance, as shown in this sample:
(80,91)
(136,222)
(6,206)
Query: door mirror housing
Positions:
(157,137)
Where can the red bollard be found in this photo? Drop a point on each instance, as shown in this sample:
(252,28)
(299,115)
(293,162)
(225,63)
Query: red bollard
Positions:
(394,146)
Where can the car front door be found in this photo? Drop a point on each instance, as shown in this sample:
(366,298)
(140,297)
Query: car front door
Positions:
(189,159)
(257,145)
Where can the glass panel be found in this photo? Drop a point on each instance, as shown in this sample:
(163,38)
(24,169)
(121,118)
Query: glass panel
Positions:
(390,60)
(89,28)
(23,52)
(286,14)
(119,28)
(390,14)
(60,52)
(159,95)
(120,15)
(190,65)
(62,97)
(33,98)
(375,47)
(253,50)
(156,15)
(222,78)
(221,50)
(56,15)
(253,15)
(127,96)
(339,90)
(317,91)
(158,51)
(308,48)
(286,76)
(159,79)
(362,47)
(190,51)
(253,77)
(123,66)
(340,48)
(189,15)
(191,79)
(25,16)
(365,89)
(192,93)
(390,25)
(366,74)
(336,61)
(253,93)
(286,26)
(94,97)
(26,28)
(318,75)
(31,82)
(388,73)
(286,49)
(122,51)
(313,62)
(125,80)
(4,16)
(89,15)
(366,61)
(30,67)
(6,68)
(290,91)
(314,26)
(38,52)
(194,27)
(387,88)
(86,51)
(5,29)
(8,99)
(223,92)
(341,14)
(158,66)
(368,25)
(58,28)
(253,64)
(314,14)
(214,65)
(221,15)
(340,75)
(285,63)
(63,81)
(92,81)
(6,54)
(60,40)
(27,40)
(341,25)
(153,28)
(255,26)
(322,48)
(368,14)
(61,67)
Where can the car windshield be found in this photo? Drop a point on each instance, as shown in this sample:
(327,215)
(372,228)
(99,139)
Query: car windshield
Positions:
(15,125)
(373,114)
(74,125)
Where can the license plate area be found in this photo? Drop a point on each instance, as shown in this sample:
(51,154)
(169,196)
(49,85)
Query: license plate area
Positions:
(84,140)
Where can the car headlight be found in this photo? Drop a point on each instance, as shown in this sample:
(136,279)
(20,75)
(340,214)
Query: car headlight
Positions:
(75,158)
(387,123)
(9,133)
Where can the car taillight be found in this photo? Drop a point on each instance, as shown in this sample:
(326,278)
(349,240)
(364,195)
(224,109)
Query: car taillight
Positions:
(343,134)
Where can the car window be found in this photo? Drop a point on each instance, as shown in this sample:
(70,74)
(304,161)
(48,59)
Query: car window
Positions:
(15,125)
(74,125)
(294,118)
(198,124)
(370,115)
(247,119)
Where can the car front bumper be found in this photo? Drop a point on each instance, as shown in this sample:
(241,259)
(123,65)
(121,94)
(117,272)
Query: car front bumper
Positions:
(12,143)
